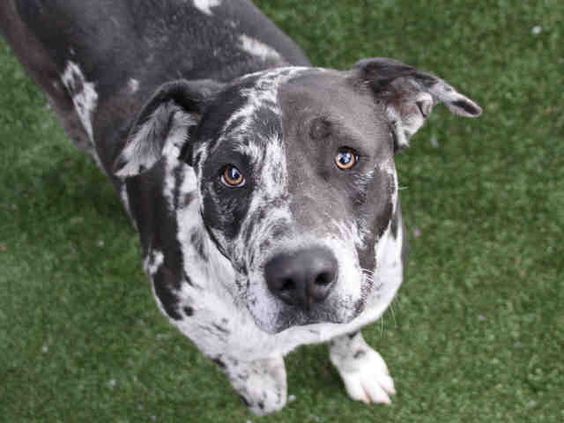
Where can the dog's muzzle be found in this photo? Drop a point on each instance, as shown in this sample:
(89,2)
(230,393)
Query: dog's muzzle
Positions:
(302,278)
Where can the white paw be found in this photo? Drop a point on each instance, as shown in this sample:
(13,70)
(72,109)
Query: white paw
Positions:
(261,385)
(366,377)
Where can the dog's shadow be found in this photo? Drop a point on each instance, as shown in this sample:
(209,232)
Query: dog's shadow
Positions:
(310,373)
(81,185)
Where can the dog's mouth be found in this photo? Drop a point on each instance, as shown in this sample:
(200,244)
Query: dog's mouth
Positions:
(274,316)
(300,319)
(292,316)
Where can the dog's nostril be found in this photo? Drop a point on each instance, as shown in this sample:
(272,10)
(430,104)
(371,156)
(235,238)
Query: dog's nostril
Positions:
(324,278)
(287,285)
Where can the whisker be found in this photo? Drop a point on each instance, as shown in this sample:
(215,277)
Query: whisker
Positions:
(392,312)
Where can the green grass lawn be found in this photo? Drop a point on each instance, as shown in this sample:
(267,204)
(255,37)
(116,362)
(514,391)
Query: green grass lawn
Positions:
(477,332)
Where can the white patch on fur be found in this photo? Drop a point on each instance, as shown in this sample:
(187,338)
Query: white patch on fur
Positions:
(125,202)
(83,94)
(213,274)
(152,262)
(362,369)
(133,85)
(350,231)
(395,119)
(205,6)
(389,266)
(263,94)
(142,151)
(274,176)
(171,153)
(413,121)
(389,168)
(258,48)
(349,283)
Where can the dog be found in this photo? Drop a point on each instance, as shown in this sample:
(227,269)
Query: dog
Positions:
(263,189)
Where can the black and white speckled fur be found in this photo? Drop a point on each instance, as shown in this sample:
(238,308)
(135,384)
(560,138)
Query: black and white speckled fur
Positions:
(244,93)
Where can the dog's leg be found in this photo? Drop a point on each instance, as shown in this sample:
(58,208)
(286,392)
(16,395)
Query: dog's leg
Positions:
(261,384)
(362,369)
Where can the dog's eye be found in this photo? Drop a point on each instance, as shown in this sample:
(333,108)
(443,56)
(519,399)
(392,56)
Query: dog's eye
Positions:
(346,158)
(232,177)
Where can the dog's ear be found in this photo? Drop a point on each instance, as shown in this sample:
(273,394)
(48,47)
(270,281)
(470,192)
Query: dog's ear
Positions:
(408,95)
(163,125)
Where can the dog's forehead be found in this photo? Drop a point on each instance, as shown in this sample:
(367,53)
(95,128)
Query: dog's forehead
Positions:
(311,100)
(247,114)
(268,105)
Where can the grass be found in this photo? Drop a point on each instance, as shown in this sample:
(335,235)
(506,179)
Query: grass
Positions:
(476,333)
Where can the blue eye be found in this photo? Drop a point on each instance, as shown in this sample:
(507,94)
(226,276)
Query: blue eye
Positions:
(232,177)
(346,158)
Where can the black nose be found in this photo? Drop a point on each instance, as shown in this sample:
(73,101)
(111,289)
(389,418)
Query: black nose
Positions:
(301,277)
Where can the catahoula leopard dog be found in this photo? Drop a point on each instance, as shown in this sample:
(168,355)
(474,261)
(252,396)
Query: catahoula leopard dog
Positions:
(263,189)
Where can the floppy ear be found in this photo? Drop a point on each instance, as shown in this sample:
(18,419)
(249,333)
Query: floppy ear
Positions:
(409,95)
(163,125)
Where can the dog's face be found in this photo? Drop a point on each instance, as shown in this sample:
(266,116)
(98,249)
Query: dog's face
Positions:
(297,180)
(296,186)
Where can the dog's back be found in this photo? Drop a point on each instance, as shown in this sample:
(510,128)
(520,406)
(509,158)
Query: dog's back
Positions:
(99,61)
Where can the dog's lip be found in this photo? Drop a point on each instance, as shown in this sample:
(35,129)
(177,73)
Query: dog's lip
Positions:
(311,324)
(307,321)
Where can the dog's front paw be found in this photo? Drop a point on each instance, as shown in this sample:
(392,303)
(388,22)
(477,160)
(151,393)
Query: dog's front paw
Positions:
(370,381)
(261,384)
(363,370)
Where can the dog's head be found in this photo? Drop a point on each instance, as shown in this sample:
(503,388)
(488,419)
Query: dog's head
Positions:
(296,175)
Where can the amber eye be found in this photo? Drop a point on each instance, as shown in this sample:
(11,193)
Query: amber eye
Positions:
(232,177)
(346,158)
